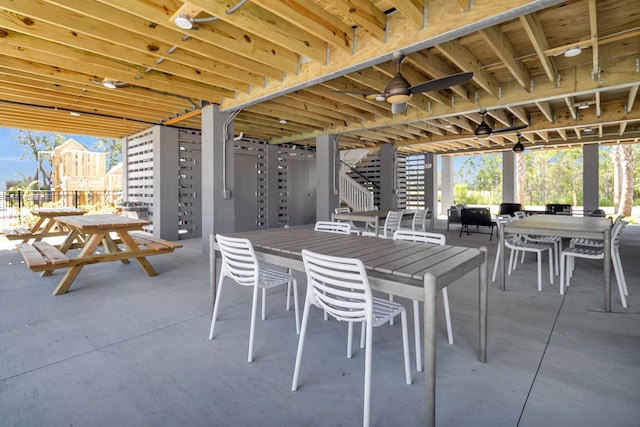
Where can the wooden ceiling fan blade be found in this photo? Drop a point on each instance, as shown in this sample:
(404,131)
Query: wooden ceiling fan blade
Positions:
(510,128)
(442,83)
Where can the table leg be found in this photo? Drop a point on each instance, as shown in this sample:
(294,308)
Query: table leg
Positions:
(73,272)
(429,339)
(502,255)
(607,270)
(483,306)
(111,247)
(133,248)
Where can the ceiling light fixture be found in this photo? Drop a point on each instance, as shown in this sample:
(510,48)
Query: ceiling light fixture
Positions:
(184,21)
(572,51)
(583,106)
(74,113)
(587,130)
(518,148)
(109,84)
(448,126)
(283,122)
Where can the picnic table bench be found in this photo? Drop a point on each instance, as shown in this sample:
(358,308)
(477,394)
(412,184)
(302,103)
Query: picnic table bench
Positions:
(96,231)
(45,226)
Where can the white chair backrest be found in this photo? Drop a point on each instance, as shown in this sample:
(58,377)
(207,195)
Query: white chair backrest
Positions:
(392,223)
(372,208)
(519,214)
(420,236)
(339,286)
(333,227)
(342,210)
(419,222)
(238,260)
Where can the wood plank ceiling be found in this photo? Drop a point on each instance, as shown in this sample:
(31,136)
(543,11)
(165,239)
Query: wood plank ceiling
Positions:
(279,62)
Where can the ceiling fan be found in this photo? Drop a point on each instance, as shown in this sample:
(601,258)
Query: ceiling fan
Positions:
(398,90)
(484,130)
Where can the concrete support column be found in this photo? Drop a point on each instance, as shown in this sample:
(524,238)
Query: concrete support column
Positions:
(218,206)
(165,182)
(446,184)
(590,175)
(327,167)
(509,178)
(388,178)
(273,193)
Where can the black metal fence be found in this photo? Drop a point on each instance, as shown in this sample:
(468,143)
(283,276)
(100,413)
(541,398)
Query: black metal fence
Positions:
(12,203)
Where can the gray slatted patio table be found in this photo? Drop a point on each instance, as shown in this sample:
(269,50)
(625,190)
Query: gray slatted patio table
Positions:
(365,216)
(564,226)
(415,271)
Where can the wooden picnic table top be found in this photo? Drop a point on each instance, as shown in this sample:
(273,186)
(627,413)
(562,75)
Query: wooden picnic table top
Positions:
(101,222)
(51,212)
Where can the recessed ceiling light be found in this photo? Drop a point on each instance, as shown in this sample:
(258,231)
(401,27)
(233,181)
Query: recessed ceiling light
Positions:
(448,126)
(283,122)
(573,51)
(110,84)
(74,113)
(583,106)
(587,130)
(184,21)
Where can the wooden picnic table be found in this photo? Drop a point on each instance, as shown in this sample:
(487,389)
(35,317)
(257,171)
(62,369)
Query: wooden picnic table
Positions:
(91,232)
(45,226)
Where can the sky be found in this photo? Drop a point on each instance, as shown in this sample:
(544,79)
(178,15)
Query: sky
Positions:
(11,153)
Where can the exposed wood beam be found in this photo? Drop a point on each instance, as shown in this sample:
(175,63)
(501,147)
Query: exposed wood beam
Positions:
(413,9)
(503,48)
(633,92)
(593,27)
(546,110)
(534,30)
(325,25)
(268,26)
(455,52)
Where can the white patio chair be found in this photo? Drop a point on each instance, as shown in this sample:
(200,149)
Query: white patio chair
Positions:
(437,239)
(340,286)
(391,224)
(569,255)
(419,221)
(333,227)
(239,263)
(500,219)
(518,243)
(592,243)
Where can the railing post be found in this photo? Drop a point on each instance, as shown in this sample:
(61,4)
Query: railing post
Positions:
(75,199)
(19,205)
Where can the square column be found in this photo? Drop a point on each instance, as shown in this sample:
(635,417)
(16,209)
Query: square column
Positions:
(590,173)
(218,206)
(446,184)
(509,177)
(327,167)
(388,177)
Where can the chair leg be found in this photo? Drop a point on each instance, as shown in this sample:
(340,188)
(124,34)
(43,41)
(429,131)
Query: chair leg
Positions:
(539,256)
(550,264)
(349,340)
(303,333)
(405,347)
(288,305)
(563,260)
(215,307)
(620,281)
(264,303)
(252,329)
(495,264)
(367,376)
(616,257)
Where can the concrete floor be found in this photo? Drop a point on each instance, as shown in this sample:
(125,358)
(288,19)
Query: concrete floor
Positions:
(124,349)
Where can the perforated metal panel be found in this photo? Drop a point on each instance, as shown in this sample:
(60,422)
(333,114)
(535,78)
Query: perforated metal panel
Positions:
(251,185)
(139,186)
(415,181)
(190,184)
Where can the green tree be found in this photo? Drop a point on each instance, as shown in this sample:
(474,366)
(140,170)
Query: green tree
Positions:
(113,149)
(33,143)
